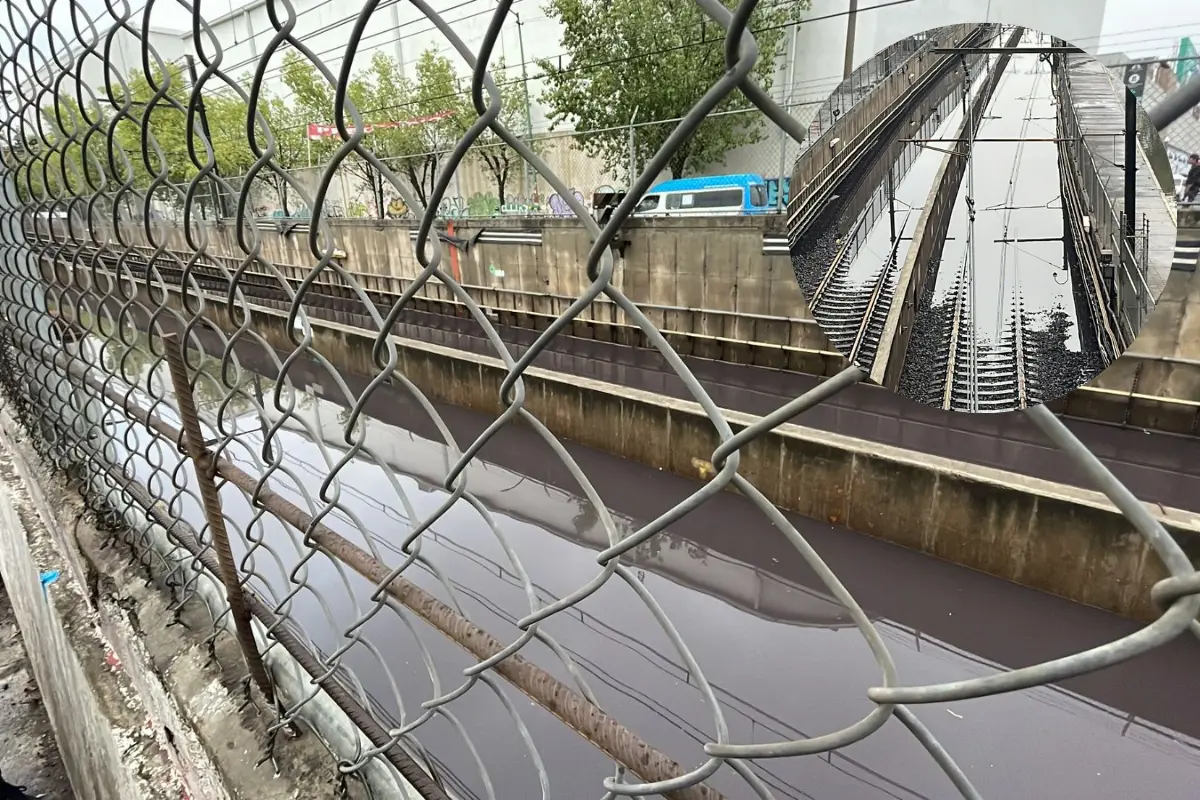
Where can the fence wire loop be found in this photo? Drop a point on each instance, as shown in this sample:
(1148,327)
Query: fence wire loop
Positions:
(115,347)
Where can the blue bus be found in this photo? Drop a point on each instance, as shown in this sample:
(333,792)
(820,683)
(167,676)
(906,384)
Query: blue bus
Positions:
(719,195)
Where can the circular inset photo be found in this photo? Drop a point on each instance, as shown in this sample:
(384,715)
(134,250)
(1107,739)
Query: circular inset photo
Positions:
(987,223)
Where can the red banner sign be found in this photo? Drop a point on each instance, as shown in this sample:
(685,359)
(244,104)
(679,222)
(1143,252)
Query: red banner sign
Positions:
(317,131)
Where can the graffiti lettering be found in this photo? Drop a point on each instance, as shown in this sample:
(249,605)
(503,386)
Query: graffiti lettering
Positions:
(487,204)
(773,185)
(559,207)
(333,209)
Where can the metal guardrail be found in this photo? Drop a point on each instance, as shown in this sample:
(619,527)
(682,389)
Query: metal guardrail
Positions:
(803,196)
(73,383)
(1134,301)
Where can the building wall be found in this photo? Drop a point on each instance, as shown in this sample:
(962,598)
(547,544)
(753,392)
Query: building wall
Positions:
(126,57)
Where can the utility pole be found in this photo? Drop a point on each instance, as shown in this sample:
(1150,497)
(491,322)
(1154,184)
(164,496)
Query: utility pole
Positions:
(218,195)
(891,195)
(785,99)
(1131,154)
(530,173)
(633,148)
(973,367)
(851,33)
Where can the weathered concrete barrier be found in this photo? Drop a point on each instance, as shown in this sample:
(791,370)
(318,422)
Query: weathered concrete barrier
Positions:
(1164,359)
(1136,405)
(715,276)
(1067,541)
(139,710)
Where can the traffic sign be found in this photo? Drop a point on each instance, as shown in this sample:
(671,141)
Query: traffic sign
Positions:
(1136,74)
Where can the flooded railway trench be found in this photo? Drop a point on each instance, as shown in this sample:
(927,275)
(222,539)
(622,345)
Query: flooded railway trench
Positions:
(1019,304)
(1157,467)
(782,666)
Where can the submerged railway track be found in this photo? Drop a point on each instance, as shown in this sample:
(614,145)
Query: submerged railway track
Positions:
(963,364)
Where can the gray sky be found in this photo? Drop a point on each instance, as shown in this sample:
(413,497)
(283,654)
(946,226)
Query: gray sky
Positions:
(1147,27)
(1137,27)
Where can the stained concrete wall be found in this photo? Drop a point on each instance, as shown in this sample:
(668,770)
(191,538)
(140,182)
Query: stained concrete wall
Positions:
(757,341)
(1164,359)
(139,710)
(700,275)
(87,735)
(1047,536)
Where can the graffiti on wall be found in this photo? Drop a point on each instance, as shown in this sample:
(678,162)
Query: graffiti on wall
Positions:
(774,186)
(487,204)
(333,209)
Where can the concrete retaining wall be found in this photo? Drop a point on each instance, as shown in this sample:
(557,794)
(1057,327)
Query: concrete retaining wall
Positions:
(139,710)
(1048,536)
(758,341)
(1172,332)
(695,274)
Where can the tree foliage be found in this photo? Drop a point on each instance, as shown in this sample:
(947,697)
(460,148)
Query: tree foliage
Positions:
(415,119)
(377,92)
(62,156)
(497,157)
(436,105)
(161,122)
(183,150)
(310,100)
(656,58)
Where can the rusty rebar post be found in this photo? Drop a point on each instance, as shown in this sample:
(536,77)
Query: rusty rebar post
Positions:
(205,468)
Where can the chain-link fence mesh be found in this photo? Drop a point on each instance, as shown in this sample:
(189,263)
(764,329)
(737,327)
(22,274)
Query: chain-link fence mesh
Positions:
(1180,139)
(107,330)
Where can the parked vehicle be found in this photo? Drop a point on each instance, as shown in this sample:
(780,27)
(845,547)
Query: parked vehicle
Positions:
(719,195)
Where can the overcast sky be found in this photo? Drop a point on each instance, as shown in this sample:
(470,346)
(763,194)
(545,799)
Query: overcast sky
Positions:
(1136,27)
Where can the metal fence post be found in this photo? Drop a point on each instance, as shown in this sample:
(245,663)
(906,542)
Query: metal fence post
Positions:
(202,460)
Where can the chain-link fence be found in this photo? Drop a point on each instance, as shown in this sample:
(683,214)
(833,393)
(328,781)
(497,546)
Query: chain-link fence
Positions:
(492,181)
(1181,139)
(113,359)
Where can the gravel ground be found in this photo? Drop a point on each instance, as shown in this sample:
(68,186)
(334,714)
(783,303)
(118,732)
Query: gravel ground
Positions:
(28,754)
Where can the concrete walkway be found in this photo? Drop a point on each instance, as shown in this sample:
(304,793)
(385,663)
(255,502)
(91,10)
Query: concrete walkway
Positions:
(1100,109)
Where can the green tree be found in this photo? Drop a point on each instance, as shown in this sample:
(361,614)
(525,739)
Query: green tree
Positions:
(51,162)
(500,159)
(168,123)
(165,122)
(377,92)
(438,111)
(227,118)
(657,58)
(226,113)
(289,127)
(310,101)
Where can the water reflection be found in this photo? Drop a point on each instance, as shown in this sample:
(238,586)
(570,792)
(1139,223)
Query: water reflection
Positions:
(777,653)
